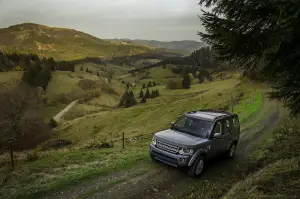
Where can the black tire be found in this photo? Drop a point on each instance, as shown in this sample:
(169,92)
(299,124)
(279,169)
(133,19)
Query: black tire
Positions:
(196,170)
(231,151)
(153,159)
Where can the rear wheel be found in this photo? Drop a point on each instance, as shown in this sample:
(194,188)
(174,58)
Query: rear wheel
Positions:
(197,169)
(231,151)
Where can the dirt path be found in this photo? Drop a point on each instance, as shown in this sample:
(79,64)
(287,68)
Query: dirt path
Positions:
(167,182)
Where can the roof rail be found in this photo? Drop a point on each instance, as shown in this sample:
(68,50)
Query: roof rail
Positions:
(216,111)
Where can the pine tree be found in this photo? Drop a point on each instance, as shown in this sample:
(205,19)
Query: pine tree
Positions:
(98,74)
(81,68)
(154,84)
(147,95)
(259,36)
(52,64)
(141,95)
(124,98)
(149,85)
(186,83)
(157,93)
(87,70)
(152,94)
(144,86)
(43,78)
(144,100)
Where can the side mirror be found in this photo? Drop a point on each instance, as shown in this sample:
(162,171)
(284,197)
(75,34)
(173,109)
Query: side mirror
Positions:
(172,123)
(217,135)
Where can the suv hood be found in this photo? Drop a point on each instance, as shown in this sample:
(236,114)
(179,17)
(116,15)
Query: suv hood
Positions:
(178,138)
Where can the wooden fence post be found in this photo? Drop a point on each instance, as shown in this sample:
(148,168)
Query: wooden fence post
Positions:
(11,155)
(123,140)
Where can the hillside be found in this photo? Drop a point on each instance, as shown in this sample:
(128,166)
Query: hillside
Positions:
(184,45)
(61,43)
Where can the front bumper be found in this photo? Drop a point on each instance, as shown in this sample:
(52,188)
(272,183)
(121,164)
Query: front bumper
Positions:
(175,160)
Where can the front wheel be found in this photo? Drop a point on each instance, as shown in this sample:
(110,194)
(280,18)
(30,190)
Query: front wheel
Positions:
(231,151)
(197,169)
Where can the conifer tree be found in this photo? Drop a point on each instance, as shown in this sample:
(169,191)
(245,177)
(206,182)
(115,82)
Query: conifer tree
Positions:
(147,95)
(186,83)
(144,100)
(141,95)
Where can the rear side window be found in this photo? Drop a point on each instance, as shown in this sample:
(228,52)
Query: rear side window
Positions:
(236,122)
(227,126)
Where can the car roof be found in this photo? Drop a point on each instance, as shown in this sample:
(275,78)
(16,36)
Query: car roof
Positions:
(210,115)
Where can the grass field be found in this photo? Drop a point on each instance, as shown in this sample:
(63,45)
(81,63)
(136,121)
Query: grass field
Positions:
(97,121)
(56,169)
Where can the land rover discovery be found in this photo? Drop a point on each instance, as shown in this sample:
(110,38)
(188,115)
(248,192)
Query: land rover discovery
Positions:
(196,137)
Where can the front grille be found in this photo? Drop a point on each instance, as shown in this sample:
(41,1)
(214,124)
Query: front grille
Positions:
(167,146)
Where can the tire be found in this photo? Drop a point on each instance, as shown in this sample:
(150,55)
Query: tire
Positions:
(231,151)
(198,167)
(153,159)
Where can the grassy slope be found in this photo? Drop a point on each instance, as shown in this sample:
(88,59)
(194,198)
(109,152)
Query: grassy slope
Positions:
(54,170)
(61,43)
(279,157)
(64,82)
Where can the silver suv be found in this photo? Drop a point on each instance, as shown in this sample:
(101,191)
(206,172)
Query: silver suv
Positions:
(196,137)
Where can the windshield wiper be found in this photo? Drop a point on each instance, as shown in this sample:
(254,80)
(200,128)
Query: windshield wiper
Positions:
(187,132)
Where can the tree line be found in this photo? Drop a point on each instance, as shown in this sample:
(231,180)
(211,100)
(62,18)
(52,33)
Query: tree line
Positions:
(37,71)
(204,58)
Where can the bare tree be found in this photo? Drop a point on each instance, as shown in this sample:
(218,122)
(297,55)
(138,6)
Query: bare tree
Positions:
(18,118)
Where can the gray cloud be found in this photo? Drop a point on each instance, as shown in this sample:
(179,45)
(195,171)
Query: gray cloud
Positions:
(135,19)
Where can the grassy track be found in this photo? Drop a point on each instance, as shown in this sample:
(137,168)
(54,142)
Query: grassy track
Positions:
(57,169)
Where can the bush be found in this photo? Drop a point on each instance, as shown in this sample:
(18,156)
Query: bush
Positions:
(186,82)
(87,84)
(89,95)
(55,144)
(174,84)
(53,123)
(32,156)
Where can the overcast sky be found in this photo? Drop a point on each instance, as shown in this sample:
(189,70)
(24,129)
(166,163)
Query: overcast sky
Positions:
(135,19)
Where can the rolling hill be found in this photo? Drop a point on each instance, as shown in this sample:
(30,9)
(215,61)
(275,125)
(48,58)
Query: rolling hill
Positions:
(62,44)
(187,46)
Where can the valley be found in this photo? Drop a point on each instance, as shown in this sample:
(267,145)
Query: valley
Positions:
(78,113)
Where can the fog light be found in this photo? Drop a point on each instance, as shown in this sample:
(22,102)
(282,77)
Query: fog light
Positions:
(182,160)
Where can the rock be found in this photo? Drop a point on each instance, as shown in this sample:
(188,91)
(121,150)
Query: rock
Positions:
(155,190)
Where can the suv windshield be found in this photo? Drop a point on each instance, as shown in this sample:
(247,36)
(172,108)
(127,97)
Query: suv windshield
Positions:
(193,126)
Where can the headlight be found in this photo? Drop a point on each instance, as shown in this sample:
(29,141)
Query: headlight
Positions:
(154,141)
(184,151)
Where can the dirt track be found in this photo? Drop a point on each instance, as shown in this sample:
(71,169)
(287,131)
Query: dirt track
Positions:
(167,182)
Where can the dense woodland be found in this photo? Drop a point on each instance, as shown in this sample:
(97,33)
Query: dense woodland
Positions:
(204,58)
(37,71)
(259,36)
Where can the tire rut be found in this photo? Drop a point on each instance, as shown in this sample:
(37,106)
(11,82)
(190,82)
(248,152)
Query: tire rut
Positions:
(170,182)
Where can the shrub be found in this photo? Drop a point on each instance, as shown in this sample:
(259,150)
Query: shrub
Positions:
(53,123)
(80,76)
(32,156)
(174,84)
(186,82)
(87,84)
(55,144)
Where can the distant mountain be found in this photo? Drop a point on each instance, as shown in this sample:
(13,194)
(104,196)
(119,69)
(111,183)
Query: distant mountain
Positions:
(184,45)
(62,43)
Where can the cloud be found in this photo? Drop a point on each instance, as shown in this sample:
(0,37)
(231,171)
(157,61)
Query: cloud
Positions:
(150,19)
